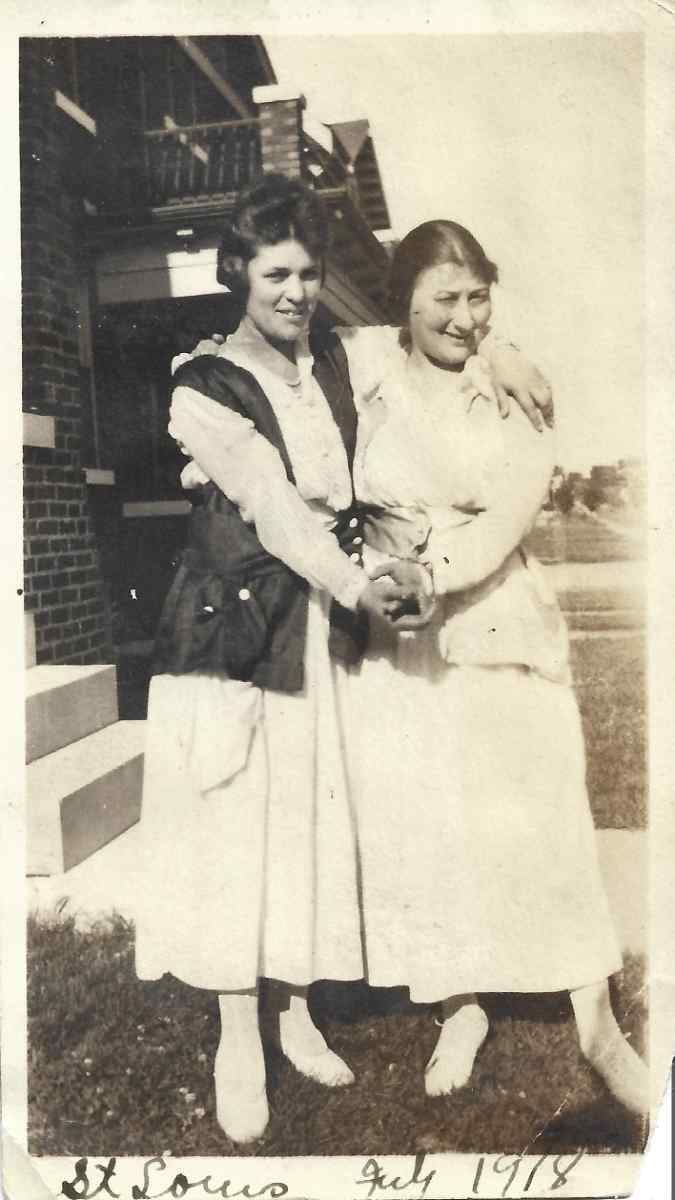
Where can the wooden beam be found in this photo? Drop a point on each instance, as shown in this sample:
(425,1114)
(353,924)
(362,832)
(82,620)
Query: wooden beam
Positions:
(200,127)
(221,85)
(264,59)
(347,301)
(74,111)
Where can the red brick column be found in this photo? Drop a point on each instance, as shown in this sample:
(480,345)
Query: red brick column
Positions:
(280,113)
(62,579)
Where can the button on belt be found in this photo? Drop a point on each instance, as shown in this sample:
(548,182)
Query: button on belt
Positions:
(355,557)
(353,523)
(244,594)
(358,541)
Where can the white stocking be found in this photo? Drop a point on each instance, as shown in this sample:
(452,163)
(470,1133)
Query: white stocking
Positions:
(239,1069)
(606,1049)
(464,1030)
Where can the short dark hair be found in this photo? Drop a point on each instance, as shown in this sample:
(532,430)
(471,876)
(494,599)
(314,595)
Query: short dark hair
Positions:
(429,245)
(270,211)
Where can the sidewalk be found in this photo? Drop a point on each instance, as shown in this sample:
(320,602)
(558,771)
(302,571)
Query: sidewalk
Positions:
(629,576)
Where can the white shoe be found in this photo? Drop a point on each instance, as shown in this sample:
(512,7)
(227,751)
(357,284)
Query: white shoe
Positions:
(451,1063)
(326,1068)
(305,1046)
(623,1071)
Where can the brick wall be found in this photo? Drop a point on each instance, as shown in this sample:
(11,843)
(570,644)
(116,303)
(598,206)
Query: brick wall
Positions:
(281,133)
(62,585)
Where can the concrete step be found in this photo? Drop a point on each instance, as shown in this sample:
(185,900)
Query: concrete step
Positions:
(82,796)
(64,704)
(29,639)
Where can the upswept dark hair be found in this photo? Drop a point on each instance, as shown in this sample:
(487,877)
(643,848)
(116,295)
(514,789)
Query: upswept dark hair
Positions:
(429,245)
(270,211)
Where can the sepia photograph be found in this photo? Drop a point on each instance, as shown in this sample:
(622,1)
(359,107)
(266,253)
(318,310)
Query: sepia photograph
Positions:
(338,813)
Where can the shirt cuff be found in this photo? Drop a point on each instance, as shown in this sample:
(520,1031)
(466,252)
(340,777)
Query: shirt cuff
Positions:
(350,592)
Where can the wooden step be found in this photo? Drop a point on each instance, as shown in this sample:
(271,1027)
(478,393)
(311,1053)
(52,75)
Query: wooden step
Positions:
(65,704)
(82,796)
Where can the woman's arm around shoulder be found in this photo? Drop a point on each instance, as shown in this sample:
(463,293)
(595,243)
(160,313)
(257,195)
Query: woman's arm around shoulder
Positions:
(370,350)
(515,375)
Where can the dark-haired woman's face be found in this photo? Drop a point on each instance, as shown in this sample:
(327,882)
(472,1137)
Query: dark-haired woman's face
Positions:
(284,285)
(449,305)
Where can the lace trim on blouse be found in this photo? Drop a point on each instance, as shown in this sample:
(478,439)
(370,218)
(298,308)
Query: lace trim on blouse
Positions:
(312,438)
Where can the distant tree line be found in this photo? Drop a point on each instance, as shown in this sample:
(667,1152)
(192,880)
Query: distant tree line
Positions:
(616,485)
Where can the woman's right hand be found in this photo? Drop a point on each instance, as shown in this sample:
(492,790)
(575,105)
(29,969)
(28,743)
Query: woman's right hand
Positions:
(208,345)
(392,588)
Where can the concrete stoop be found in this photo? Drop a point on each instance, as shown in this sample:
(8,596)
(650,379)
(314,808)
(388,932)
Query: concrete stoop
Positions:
(66,704)
(85,767)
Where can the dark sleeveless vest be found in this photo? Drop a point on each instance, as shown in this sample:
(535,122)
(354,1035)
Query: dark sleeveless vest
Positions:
(232,607)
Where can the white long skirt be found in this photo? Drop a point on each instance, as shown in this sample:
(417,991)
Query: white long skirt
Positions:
(248,838)
(477,845)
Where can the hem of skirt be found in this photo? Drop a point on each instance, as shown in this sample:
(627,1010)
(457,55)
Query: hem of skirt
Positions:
(423,993)
(250,984)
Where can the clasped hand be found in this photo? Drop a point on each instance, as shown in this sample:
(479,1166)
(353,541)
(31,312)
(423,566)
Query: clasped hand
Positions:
(401,593)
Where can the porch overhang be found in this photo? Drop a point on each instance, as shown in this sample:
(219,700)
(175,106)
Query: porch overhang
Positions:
(173,255)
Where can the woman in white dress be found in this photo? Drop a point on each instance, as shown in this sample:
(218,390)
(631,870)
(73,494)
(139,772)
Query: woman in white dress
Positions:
(477,846)
(248,829)
(248,837)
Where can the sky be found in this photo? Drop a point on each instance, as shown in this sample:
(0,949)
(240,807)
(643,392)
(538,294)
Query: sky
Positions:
(535,143)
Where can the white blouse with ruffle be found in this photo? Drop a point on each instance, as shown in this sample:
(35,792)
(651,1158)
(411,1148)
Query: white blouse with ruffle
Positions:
(292,521)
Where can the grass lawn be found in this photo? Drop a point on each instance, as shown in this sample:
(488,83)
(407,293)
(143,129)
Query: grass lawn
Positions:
(609,677)
(576,538)
(123,1067)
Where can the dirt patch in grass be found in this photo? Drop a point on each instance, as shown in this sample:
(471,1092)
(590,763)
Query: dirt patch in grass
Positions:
(117,1066)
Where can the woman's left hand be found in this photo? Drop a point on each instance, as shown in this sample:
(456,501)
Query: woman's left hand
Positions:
(515,376)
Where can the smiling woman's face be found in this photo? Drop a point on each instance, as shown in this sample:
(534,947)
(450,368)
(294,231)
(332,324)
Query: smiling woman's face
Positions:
(284,285)
(448,306)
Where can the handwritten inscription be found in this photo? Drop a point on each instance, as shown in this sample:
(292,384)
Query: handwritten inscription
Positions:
(83,1188)
(510,1164)
(378,1182)
(549,1174)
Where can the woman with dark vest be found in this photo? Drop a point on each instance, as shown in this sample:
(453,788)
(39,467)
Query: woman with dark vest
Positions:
(249,857)
(249,852)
